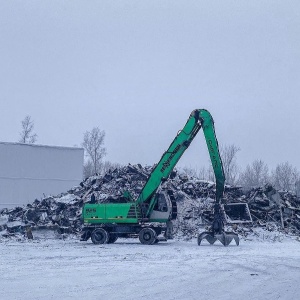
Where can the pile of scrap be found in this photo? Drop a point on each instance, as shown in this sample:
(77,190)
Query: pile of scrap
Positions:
(268,208)
(63,212)
(195,199)
(269,205)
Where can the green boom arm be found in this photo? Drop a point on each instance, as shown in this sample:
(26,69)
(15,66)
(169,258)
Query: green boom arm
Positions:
(198,118)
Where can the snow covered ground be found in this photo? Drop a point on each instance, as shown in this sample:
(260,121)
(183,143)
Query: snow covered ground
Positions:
(69,269)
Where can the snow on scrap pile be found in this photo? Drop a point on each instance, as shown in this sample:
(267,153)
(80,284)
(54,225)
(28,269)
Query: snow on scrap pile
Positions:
(270,209)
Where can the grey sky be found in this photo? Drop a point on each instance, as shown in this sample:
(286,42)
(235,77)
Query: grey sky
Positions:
(137,69)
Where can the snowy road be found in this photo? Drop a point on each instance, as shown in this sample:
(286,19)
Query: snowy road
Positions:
(56,269)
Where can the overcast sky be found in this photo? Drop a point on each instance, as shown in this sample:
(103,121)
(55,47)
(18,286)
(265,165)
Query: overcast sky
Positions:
(136,69)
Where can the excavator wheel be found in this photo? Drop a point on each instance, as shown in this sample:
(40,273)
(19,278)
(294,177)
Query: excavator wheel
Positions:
(147,236)
(225,238)
(100,236)
(112,238)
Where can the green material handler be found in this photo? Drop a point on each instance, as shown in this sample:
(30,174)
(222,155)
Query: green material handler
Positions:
(150,216)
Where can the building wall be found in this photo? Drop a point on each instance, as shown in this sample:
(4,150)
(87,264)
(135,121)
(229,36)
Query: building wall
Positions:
(29,172)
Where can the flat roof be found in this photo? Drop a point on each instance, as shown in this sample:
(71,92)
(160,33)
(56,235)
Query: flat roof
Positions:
(42,146)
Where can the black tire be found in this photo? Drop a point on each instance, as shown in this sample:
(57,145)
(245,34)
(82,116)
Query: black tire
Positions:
(112,238)
(100,236)
(147,236)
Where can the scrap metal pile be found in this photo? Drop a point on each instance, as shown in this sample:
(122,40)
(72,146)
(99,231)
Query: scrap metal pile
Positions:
(195,199)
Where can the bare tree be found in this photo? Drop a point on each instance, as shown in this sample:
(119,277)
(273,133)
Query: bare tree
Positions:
(255,175)
(26,135)
(228,155)
(297,187)
(210,174)
(285,176)
(107,165)
(189,171)
(88,169)
(204,173)
(93,144)
(201,173)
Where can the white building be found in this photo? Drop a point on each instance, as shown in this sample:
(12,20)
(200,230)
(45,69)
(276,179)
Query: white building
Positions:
(29,172)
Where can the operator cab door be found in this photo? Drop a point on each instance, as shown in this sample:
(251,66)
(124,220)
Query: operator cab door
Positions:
(162,209)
